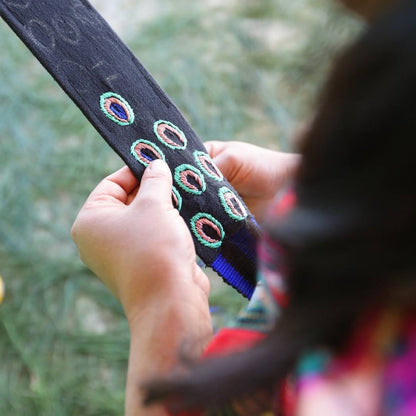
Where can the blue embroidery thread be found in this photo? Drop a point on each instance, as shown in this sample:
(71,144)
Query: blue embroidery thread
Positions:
(170,135)
(116,108)
(232,204)
(190,179)
(207,165)
(145,152)
(207,221)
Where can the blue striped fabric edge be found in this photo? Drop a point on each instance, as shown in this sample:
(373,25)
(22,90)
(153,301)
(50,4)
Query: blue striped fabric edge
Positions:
(246,243)
(232,276)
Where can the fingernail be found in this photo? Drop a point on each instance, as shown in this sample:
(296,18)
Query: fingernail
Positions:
(157,165)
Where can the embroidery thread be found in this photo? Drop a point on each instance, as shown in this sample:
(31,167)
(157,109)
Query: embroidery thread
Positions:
(207,165)
(145,152)
(232,204)
(176,199)
(116,108)
(170,135)
(207,230)
(190,179)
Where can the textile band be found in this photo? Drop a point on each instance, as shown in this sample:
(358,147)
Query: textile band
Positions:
(140,122)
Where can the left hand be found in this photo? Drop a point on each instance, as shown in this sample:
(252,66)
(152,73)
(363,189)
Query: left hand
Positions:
(141,248)
(133,239)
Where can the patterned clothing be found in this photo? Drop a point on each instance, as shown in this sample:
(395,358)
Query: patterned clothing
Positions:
(375,377)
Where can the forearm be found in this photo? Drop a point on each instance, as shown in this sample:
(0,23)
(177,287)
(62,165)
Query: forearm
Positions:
(150,269)
(158,333)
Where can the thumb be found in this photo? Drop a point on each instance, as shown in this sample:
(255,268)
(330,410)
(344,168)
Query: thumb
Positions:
(156,184)
(214,147)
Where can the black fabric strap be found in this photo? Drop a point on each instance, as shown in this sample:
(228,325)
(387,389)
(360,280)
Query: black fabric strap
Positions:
(140,122)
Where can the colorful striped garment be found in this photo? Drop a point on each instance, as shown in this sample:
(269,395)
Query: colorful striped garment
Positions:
(375,377)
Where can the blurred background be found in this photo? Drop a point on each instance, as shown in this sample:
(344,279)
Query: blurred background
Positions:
(238,69)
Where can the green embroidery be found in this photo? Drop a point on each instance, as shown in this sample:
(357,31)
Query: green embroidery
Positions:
(160,128)
(207,165)
(178,201)
(232,204)
(142,150)
(183,174)
(197,224)
(116,108)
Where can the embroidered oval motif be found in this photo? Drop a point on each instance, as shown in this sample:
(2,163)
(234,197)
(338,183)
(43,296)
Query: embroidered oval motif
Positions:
(19,4)
(176,199)
(170,135)
(145,152)
(67,29)
(207,230)
(87,17)
(117,109)
(208,166)
(232,204)
(41,34)
(190,179)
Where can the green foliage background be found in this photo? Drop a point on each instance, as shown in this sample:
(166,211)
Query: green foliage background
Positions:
(239,70)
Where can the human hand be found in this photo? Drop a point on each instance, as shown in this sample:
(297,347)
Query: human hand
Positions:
(133,239)
(257,174)
(140,247)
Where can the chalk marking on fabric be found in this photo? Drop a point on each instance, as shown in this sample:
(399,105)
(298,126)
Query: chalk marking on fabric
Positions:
(197,225)
(161,128)
(87,17)
(116,108)
(176,199)
(41,34)
(19,4)
(232,204)
(143,151)
(207,165)
(184,173)
(67,29)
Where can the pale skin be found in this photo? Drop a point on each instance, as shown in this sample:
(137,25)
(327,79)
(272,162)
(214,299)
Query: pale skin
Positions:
(256,173)
(133,239)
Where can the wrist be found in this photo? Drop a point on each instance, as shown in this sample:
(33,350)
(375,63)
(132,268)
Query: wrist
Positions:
(163,330)
(172,321)
(160,334)
(164,285)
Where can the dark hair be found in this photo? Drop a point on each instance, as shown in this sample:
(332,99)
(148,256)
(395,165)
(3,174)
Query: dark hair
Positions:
(367,8)
(350,240)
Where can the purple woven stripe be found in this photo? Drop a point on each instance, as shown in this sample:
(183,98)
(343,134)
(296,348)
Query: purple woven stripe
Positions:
(246,243)
(231,276)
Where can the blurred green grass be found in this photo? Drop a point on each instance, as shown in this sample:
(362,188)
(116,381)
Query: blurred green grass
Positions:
(238,70)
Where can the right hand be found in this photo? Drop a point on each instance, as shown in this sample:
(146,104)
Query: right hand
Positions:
(257,174)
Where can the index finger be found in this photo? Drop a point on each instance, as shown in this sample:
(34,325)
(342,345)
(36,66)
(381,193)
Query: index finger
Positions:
(115,187)
(214,147)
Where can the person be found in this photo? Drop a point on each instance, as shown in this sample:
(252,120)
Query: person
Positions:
(341,243)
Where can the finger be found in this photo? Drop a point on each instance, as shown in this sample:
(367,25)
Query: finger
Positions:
(214,147)
(221,155)
(124,178)
(115,187)
(156,184)
(132,195)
